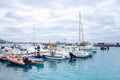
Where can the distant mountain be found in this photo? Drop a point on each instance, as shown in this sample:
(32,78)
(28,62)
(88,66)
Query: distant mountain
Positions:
(3,41)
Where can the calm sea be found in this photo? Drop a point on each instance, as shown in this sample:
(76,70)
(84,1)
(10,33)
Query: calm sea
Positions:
(103,65)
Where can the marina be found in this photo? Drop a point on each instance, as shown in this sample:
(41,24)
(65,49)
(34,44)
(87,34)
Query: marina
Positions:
(59,40)
(103,65)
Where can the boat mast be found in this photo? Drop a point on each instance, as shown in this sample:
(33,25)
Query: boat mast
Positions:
(80,27)
(34,35)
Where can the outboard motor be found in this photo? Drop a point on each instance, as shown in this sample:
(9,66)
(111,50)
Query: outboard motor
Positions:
(26,60)
(71,55)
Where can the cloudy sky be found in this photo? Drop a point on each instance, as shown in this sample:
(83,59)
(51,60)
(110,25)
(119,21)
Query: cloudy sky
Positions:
(58,20)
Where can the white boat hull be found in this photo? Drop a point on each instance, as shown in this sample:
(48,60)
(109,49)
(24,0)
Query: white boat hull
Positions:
(56,57)
(81,54)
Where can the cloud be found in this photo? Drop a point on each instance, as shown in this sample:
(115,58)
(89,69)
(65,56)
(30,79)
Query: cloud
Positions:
(59,19)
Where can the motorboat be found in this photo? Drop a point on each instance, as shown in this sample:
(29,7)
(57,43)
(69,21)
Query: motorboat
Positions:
(89,48)
(80,54)
(55,57)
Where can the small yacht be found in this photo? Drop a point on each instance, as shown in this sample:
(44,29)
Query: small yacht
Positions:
(80,54)
(89,48)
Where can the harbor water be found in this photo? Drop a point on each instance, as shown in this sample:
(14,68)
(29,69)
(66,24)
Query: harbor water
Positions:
(103,65)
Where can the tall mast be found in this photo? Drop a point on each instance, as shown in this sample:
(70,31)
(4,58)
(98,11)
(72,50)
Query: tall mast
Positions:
(34,34)
(80,24)
(79,28)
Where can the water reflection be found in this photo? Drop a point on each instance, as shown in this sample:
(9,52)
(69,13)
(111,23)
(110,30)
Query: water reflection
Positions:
(3,61)
(54,63)
(77,61)
(72,62)
(15,67)
(39,66)
(25,68)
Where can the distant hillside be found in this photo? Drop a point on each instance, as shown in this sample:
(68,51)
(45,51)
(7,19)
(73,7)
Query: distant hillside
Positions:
(3,41)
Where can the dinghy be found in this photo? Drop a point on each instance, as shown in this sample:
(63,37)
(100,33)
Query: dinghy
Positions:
(20,61)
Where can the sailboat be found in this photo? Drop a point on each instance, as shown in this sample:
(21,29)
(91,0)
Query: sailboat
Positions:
(80,53)
(88,47)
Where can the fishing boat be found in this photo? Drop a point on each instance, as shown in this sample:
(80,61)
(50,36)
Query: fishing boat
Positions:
(20,61)
(52,54)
